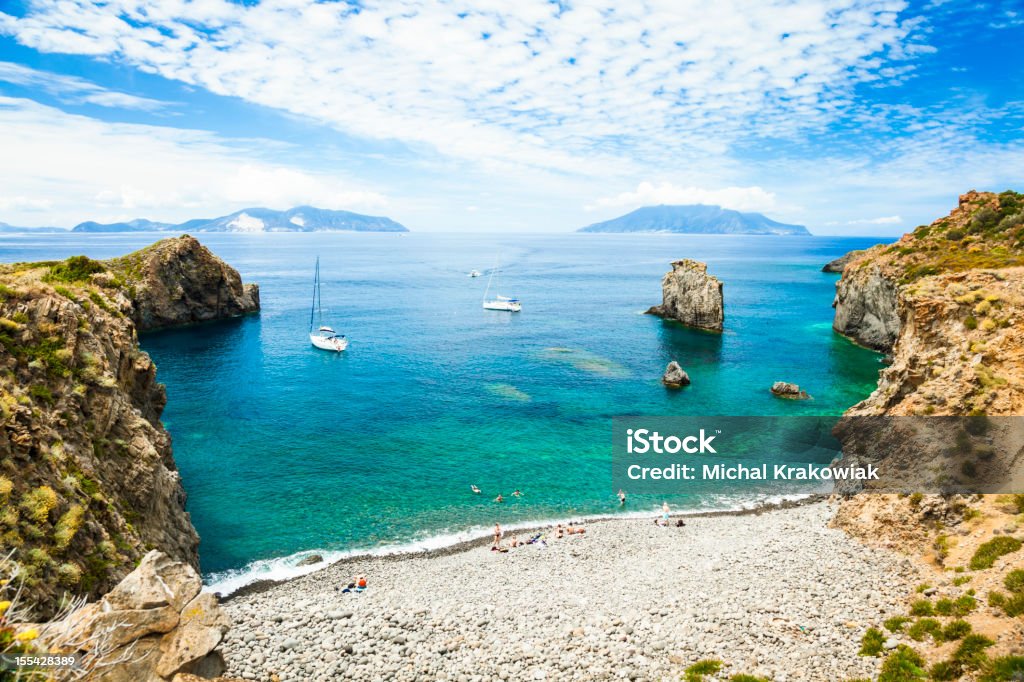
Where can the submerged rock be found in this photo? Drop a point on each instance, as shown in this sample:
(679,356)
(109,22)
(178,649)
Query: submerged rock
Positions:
(675,376)
(691,296)
(784,389)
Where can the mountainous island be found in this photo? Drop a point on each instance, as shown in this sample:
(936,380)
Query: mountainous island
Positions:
(694,219)
(298,219)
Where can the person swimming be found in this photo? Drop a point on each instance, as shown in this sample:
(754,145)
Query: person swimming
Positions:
(517,493)
(499,498)
(474,489)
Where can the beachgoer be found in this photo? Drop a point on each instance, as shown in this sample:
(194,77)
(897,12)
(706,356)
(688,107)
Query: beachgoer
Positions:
(497,536)
(680,523)
(358,584)
(474,489)
(665,512)
(499,498)
(559,532)
(622,497)
(516,493)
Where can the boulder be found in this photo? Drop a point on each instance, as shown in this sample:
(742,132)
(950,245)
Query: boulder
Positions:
(784,389)
(310,560)
(675,376)
(691,296)
(152,627)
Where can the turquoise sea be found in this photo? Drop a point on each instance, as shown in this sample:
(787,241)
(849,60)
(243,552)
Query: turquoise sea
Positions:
(285,449)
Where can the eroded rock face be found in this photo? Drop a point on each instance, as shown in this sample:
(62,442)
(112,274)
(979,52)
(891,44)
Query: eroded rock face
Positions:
(675,376)
(153,626)
(179,281)
(88,478)
(691,296)
(866,307)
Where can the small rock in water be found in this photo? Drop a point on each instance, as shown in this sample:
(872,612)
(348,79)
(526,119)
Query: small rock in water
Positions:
(784,389)
(675,376)
(310,560)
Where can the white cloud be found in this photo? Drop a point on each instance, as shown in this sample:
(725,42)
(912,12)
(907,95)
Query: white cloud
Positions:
(646,194)
(74,90)
(589,87)
(89,169)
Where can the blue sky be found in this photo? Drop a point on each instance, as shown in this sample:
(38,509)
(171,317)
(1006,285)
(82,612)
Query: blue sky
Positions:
(848,116)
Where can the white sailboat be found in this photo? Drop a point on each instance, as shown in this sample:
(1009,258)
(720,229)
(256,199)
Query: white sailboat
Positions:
(323,337)
(499,302)
(474,273)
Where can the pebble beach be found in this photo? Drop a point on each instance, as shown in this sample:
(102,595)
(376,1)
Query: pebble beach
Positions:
(776,594)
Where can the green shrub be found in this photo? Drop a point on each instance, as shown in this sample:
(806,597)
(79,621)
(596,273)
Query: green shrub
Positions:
(971,652)
(1004,669)
(954,235)
(871,643)
(915,499)
(988,552)
(923,627)
(700,669)
(748,678)
(41,393)
(902,665)
(922,587)
(922,607)
(970,322)
(977,426)
(1014,580)
(38,503)
(969,469)
(961,580)
(943,671)
(960,607)
(957,629)
(896,623)
(74,269)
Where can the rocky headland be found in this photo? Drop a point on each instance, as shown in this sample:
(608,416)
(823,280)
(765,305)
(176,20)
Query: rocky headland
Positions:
(88,483)
(691,296)
(946,301)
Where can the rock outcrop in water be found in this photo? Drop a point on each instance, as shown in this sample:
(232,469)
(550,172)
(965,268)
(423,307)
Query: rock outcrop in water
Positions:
(179,281)
(838,264)
(691,296)
(784,389)
(88,483)
(675,376)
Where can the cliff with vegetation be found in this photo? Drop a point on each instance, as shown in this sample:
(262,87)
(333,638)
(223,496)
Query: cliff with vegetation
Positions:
(88,483)
(947,303)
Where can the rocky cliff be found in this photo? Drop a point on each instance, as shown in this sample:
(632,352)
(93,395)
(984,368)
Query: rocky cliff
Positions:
(88,483)
(947,301)
(691,296)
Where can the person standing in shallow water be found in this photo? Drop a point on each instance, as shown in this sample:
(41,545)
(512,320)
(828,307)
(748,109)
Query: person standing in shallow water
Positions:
(622,497)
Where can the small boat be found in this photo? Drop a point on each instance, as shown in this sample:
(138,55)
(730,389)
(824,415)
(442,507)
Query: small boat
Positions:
(500,302)
(324,338)
(474,273)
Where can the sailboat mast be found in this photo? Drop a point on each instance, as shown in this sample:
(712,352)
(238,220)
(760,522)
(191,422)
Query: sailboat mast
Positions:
(316,291)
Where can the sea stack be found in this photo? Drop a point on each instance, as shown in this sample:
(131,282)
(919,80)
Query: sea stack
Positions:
(784,389)
(691,296)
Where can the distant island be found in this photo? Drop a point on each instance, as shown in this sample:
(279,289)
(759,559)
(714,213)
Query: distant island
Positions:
(5,228)
(298,219)
(694,219)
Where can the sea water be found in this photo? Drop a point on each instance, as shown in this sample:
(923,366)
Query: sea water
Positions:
(285,449)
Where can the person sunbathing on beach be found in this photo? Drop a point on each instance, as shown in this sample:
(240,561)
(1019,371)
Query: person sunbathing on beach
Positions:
(474,489)
(358,584)
(559,533)
(572,530)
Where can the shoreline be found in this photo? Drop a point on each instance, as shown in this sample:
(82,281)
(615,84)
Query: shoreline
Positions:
(775,592)
(263,585)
